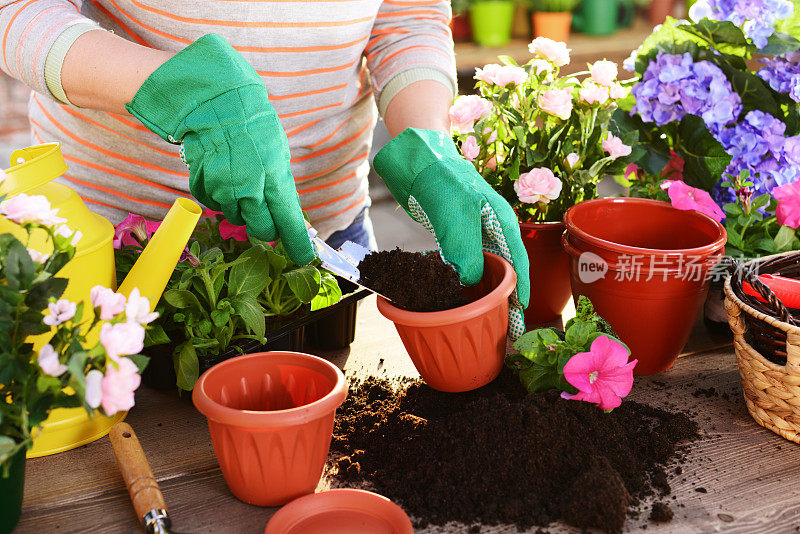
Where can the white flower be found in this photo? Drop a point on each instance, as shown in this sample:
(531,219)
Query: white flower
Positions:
(48,361)
(138,308)
(109,302)
(60,312)
(24,208)
(37,256)
(541,66)
(572,160)
(94,388)
(122,339)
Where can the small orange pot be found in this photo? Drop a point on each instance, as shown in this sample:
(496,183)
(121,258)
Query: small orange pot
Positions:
(463,348)
(552,25)
(270,415)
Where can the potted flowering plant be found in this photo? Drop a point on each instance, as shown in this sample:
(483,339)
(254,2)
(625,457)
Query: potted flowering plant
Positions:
(543,141)
(719,94)
(64,372)
(552,18)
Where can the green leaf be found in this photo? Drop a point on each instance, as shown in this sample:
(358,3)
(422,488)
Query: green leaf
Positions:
(181,299)
(531,341)
(155,335)
(517,362)
(40,293)
(187,367)
(140,360)
(732,209)
(19,268)
(705,159)
(329,292)
(251,313)
(8,448)
(304,282)
(538,378)
(578,334)
(784,238)
(251,275)
(723,36)
(220,317)
(780,43)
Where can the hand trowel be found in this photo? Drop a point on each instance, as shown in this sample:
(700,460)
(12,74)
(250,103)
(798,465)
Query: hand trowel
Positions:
(343,262)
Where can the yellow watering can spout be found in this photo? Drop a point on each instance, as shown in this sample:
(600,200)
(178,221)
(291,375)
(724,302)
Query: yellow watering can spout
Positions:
(155,265)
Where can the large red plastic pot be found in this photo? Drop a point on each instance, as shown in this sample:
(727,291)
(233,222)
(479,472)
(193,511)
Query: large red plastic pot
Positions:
(549,271)
(644,265)
(463,348)
(270,415)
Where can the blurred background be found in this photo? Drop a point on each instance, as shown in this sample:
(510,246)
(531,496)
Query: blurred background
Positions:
(482,31)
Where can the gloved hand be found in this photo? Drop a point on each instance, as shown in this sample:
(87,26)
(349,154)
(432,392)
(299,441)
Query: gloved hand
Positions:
(441,190)
(209,98)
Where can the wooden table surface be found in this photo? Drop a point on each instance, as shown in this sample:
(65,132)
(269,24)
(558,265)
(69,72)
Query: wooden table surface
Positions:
(751,476)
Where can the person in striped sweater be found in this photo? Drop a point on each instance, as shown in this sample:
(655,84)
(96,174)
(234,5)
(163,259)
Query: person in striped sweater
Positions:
(258,108)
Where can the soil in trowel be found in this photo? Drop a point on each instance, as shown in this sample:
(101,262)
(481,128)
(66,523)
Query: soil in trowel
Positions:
(412,280)
(498,456)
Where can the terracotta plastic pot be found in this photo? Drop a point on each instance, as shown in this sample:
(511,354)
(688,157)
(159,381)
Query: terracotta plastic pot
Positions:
(270,415)
(553,25)
(11,490)
(644,265)
(549,271)
(340,511)
(463,348)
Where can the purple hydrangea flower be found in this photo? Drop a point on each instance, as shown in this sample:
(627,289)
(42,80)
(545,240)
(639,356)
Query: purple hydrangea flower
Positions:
(675,85)
(782,73)
(756,17)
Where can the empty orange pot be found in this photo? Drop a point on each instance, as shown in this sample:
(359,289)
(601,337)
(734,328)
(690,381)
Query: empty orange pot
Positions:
(553,25)
(270,416)
(549,271)
(644,265)
(463,348)
(340,511)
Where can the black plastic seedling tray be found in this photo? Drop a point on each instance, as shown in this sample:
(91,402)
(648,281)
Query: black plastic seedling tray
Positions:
(330,328)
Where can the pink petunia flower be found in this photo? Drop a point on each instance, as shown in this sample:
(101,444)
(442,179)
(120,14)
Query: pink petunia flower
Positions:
(603,375)
(674,167)
(538,185)
(466,110)
(132,225)
(685,197)
(228,230)
(788,210)
(118,386)
(615,147)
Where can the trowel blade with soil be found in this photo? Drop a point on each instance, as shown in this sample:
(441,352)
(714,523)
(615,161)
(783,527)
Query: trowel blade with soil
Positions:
(343,262)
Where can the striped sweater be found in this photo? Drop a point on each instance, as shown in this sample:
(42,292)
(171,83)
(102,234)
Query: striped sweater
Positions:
(321,60)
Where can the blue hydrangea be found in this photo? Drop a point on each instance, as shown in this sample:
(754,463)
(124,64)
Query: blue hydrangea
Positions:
(782,73)
(675,85)
(756,17)
(757,144)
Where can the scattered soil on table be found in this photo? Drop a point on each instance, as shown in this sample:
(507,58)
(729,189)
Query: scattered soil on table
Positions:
(661,513)
(412,280)
(498,456)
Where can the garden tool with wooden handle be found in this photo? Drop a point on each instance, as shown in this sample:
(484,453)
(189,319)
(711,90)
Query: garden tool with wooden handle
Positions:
(145,495)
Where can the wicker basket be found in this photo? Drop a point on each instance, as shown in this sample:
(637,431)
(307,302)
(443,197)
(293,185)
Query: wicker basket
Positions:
(771,384)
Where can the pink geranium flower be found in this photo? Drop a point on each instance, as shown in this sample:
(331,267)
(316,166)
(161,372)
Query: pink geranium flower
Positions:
(110,303)
(557,102)
(591,93)
(555,52)
(466,110)
(122,339)
(615,147)
(685,197)
(24,208)
(118,386)
(61,311)
(538,185)
(603,72)
(49,362)
(788,210)
(501,75)
(470,149)
(603,375)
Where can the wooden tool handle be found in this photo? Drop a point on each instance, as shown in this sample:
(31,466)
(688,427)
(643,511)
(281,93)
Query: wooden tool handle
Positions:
(133,465)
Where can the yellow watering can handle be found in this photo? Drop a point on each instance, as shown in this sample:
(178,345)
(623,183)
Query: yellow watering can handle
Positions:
(155,265)
(32,167)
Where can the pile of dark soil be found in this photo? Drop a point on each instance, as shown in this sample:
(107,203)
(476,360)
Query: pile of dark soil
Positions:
(412,280)
(498,456)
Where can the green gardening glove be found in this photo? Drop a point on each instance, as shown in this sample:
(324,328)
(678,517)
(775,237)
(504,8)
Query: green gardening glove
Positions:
(211,100)
(441,190)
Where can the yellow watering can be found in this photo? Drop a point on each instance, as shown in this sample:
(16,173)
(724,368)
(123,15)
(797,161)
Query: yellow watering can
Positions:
(32,172)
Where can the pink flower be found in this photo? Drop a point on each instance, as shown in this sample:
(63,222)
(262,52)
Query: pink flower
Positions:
(226,230)
(553,51)
(24,208)
(470,149)
(118,386)
(674,167)
(37,256)
(572,160)
(94,388)
(122,339)
(684,197)
(466,110)
(557,102)
(603,72)
(603,375)
(66,232)
(632,172)
(132,225)
(492,163)
(538,185)
(615,147)
(788,197)
(491,133)
(501,75)
(591,93)
(60,312)
(541,66)
(110,303)
(616,92)
(49,362)
(137,310)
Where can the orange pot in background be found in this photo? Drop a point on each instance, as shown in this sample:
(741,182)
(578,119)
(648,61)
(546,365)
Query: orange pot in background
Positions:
(549,271)
(463,348)
(270,415)
(555,26)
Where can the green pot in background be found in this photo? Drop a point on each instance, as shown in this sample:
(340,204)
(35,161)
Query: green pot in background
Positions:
(492,21)
(11,493)
(602,17)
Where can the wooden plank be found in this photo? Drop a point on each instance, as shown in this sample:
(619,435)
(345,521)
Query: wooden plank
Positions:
(750,474)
